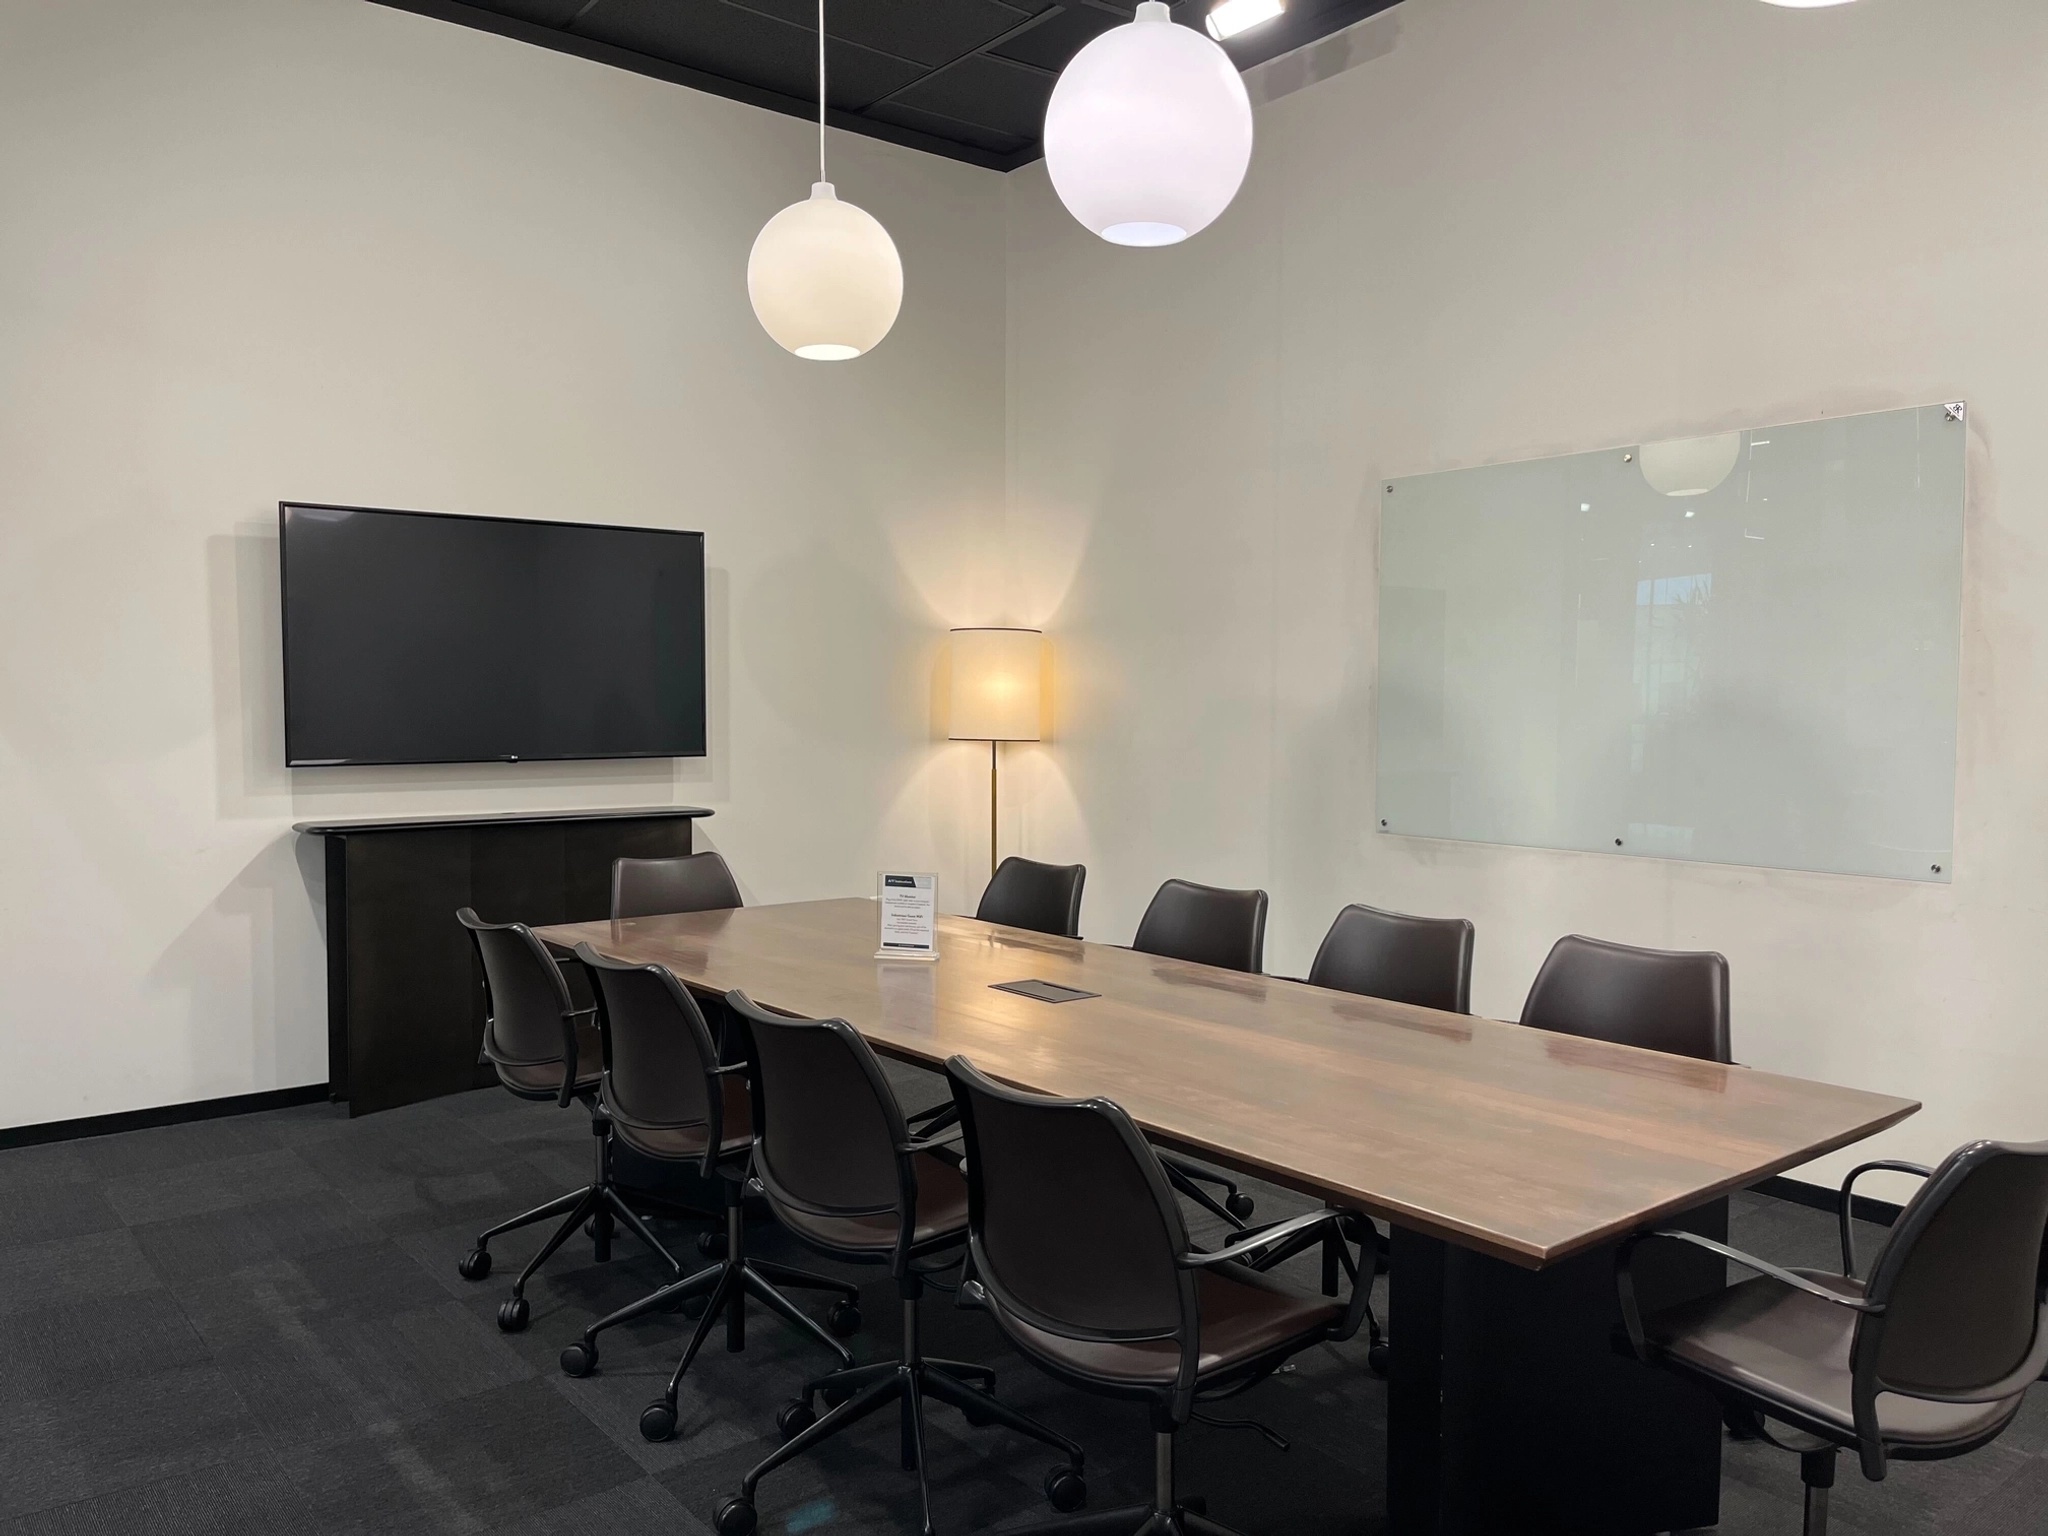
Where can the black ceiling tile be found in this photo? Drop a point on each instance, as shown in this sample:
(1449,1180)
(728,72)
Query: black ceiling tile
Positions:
(745,45)
(990,139)
(984,90)
(1058,38)
(545,13)
(926,32)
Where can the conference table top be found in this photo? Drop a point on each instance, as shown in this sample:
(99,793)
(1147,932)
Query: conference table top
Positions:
(1519,1143)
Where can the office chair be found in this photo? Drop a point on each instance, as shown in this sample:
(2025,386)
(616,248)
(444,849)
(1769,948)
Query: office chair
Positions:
(1426,961)
(671,1099)
(1208,925)
(1662,1000)
(1045,898)
(693,882)
(1081,1257)
(843,1173)
(1205,924)
(545,1046)
(1929,1358)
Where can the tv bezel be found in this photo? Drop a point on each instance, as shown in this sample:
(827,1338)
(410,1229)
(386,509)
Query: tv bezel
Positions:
(284,649)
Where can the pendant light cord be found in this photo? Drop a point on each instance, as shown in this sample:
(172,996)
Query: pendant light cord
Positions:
(821,92)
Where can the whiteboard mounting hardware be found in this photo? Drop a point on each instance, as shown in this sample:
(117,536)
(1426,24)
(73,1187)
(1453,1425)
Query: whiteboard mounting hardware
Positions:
(1956,409)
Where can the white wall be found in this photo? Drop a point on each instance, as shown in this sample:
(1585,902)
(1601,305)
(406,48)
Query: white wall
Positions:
(320,249)
(1485,230)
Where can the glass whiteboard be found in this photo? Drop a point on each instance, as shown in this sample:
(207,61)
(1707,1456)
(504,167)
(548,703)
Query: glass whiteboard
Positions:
(1763,672)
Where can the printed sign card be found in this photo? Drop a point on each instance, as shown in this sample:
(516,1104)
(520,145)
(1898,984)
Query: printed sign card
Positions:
(910,917)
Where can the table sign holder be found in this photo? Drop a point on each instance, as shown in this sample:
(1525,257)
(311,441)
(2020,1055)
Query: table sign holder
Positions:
(910,917)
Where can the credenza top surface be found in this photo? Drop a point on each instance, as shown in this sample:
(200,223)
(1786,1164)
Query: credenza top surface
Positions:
(499,819)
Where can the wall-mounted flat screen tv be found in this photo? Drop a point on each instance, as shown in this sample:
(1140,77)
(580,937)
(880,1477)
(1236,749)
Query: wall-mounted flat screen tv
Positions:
(418,637)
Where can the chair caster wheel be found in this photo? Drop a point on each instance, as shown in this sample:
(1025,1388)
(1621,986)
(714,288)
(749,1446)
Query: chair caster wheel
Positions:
(735,1517)
(711,1245)
(1065,1489)
(693,1306)
(835,1395)
(579,1359)
(657,1422)
(475,1264)
(843,1319)
(1240,1205)
(796,1417)
(590,1227)
(1376,1359)
(512,1315)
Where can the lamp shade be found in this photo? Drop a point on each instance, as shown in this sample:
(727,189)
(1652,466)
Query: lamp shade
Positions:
(1148,132)
(995,693)
(1691,466)
(825,278)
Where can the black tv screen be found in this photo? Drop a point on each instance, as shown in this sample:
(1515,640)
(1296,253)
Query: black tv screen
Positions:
(418,637)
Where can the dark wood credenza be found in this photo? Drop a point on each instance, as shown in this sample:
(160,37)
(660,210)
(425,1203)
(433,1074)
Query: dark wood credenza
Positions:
(405,998)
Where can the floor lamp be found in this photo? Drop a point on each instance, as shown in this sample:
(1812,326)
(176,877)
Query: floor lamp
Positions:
(995,697)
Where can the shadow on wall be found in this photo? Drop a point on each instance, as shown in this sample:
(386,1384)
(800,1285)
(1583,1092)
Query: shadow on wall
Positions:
(1359,44)
(261,933)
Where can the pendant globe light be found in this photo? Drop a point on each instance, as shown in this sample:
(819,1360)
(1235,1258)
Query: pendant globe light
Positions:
(1148,132)
(824,276)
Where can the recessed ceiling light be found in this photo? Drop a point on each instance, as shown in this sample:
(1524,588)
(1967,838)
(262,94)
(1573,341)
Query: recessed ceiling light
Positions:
(1231,17)
(1805,5)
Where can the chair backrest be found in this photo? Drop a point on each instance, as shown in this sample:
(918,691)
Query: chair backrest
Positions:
(1073,1225)
(1660,999)
(526,1000)
(1426,961)
(827,1127)
(1043,897)
(659,1055)
(1205,924)
(1959,1279)
(693,882)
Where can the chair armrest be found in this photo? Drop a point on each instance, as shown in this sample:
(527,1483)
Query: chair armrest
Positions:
(935,1118)
(928,1143)
(1625,1283)
(1270,1235)
(571,1067)
(1883,1165)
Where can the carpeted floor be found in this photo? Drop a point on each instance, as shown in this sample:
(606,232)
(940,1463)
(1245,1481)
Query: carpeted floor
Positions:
(255,1325)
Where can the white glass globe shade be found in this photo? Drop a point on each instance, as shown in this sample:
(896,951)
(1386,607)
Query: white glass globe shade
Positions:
(1148,132)
(1691,466)
(825,278)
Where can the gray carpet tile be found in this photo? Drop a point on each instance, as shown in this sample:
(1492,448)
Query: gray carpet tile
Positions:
(255,1325)
(56,1270)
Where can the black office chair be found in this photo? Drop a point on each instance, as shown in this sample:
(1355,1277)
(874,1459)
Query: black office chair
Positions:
(1208,925)
(671,1099)
(1426,961)
(843,1173)
(1045,898)
(1081,1257)
(1929,1358)
(544,1046)
(693,882)
(1662,1000)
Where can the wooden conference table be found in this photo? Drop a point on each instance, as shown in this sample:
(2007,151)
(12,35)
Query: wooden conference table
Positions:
(1508,1162)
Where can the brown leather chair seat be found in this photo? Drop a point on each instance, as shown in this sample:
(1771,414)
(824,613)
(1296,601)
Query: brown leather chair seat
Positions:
(1791,1351)
(682,1143)
(545,1080)
(1246,1317)
(941,1213)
